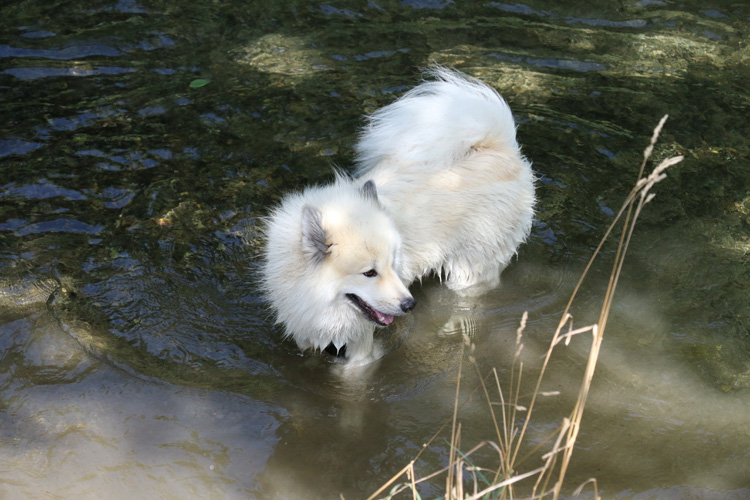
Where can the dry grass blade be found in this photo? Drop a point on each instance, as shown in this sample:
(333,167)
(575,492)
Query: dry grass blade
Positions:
(507,482)
(588,481)
(640,193)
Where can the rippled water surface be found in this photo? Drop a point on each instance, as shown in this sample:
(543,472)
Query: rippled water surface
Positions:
(141,142)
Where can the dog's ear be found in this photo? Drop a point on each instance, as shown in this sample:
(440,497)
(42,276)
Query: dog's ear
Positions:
(314,237)
(369,191)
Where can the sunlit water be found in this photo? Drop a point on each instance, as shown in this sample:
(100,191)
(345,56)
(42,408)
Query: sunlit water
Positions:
(141,142)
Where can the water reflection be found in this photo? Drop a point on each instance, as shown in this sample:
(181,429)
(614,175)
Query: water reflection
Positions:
(17,147)
(83,430)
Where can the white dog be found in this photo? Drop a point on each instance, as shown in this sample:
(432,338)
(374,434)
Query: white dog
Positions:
(441,187)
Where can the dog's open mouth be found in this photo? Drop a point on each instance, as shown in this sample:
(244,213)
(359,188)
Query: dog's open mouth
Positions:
(375,316)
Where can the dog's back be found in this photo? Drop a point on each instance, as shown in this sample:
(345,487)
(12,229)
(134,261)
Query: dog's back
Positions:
(448,168)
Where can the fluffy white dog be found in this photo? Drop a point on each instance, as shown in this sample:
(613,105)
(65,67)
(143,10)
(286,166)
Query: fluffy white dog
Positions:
(441,187)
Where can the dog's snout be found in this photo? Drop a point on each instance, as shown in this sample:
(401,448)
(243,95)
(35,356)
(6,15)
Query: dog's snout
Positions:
(408,304)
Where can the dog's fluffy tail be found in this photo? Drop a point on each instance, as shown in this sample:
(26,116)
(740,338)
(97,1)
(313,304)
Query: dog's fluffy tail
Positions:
(437,123)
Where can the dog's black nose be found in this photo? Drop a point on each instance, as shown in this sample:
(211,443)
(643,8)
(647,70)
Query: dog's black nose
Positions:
(408,304)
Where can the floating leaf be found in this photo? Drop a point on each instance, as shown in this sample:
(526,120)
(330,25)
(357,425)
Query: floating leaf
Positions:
(196,84)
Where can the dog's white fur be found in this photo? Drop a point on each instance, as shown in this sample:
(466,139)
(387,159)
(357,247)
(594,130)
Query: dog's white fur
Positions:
(441,187)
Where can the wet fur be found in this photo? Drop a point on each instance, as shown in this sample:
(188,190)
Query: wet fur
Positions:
(441,187)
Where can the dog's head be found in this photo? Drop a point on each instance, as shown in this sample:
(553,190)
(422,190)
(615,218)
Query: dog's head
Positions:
(356,247)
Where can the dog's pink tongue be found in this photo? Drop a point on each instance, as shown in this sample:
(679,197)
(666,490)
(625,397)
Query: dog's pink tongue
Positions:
(386,319)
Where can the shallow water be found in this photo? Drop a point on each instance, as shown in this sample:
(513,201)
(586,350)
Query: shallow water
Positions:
(141,141)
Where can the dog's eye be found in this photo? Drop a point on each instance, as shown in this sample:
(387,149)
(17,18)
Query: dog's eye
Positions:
(371,273)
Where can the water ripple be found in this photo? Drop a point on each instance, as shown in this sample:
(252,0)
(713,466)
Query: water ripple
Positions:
(43,72)
(59,226)
(17,147)
(42,190)
(76,51)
